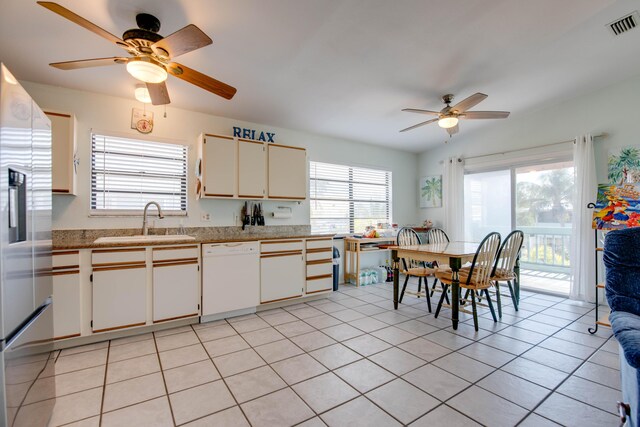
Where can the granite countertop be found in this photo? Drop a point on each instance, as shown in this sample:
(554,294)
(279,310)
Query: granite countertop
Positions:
(84,239)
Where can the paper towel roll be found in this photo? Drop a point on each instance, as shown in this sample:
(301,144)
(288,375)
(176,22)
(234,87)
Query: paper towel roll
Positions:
(282,215)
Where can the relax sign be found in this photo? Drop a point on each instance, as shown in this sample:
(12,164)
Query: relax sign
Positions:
(253,134)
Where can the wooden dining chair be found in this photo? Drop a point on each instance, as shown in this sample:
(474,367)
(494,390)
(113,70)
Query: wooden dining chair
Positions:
(503,270)
(412,268)
(477,277)
(437,235)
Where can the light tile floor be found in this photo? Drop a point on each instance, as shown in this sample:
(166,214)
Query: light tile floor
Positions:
(351,360)
(557,283)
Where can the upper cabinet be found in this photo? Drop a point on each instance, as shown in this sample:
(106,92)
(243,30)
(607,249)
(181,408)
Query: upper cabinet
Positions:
(239,168)
(219,166)
(63,150)
(252,168)
(287,172)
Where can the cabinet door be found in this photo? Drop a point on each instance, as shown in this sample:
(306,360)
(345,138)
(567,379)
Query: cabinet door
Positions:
(287,172)
(220,166)
(62,153)
(281,277)
(119,297)
(175,290)
(66,304)
(251,169)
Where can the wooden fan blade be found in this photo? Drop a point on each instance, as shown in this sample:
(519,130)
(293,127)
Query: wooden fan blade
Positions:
(158,93)
(419,124)
(453,130)
(485,115)
(66,13)
(201,80)
(87,63)
(183,41)
(415,110)
(469,102)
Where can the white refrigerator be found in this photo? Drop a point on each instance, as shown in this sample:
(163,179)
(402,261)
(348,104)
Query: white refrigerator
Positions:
(26,318)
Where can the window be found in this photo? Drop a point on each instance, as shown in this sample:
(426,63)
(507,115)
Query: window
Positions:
(128,173)
(347,199)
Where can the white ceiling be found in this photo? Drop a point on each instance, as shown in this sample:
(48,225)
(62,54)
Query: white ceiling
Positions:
(345,68)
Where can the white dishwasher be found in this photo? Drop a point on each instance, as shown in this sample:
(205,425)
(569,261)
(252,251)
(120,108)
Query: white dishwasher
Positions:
(230,277)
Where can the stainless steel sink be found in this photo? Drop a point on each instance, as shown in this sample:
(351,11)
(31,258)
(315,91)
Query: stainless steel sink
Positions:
(141,238)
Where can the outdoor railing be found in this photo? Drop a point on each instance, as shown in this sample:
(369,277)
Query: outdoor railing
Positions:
(546,248)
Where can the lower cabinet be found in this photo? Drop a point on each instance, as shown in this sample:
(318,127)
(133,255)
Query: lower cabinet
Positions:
(119,297)
(281,276)
(319,265)
(119,283)
(66,294)
(175,290)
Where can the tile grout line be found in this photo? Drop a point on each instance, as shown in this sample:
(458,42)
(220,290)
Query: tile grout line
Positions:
(164,381)
(221,378)
(104,384)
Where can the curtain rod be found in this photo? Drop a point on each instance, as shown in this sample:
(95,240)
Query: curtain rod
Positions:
(600,135)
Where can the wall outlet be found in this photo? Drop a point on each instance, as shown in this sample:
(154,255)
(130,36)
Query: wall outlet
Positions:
(205,217)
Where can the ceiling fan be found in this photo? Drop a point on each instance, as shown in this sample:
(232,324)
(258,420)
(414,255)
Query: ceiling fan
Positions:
(449,116)
(152,55)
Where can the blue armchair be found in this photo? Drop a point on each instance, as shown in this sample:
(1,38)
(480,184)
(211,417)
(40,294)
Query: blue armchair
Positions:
(622,262)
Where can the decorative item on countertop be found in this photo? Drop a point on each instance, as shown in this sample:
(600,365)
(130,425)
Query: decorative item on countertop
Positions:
(427,223)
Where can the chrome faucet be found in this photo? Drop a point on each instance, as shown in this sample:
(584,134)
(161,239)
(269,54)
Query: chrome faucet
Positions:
(144,216)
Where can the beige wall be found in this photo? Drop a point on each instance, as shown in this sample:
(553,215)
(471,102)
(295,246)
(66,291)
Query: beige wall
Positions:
(111,114)
(614,110)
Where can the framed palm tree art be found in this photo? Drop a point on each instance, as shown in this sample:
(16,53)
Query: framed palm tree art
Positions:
(430,189)
(624,165)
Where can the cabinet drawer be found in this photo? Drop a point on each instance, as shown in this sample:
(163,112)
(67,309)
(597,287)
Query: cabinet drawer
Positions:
(319,254)
(278,246)
(319,269)
(65,259)
(175,253)
(322,243)
(319,284)
(117,256)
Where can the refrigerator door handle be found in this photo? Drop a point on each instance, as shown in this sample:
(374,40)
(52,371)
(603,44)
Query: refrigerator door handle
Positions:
(14,335)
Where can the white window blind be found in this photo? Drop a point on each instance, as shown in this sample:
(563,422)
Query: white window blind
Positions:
(127,173)
(347,199)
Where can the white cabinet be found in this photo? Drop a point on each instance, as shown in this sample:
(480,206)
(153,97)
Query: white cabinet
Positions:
(319,262)
(251,169)
(176,283)
(63,152)
(119,289)
(66,294)
(287,172)
(238,168)
(281,270)
(219,157)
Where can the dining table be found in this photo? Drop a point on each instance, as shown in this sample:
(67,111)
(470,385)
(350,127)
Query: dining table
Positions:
(455,254)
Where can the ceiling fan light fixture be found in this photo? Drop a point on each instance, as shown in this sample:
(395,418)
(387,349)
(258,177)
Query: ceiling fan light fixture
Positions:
(147,70)
(448,122)
(142,94)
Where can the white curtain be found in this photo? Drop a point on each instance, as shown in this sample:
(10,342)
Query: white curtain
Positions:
(582,236)
(453,197)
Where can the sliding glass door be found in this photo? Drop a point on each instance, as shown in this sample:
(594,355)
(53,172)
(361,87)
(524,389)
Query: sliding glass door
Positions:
(535,199)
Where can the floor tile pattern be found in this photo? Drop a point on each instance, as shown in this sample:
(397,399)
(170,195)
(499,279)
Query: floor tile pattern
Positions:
(348,360)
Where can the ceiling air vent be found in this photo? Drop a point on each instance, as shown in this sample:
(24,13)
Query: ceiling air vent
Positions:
(625,23)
